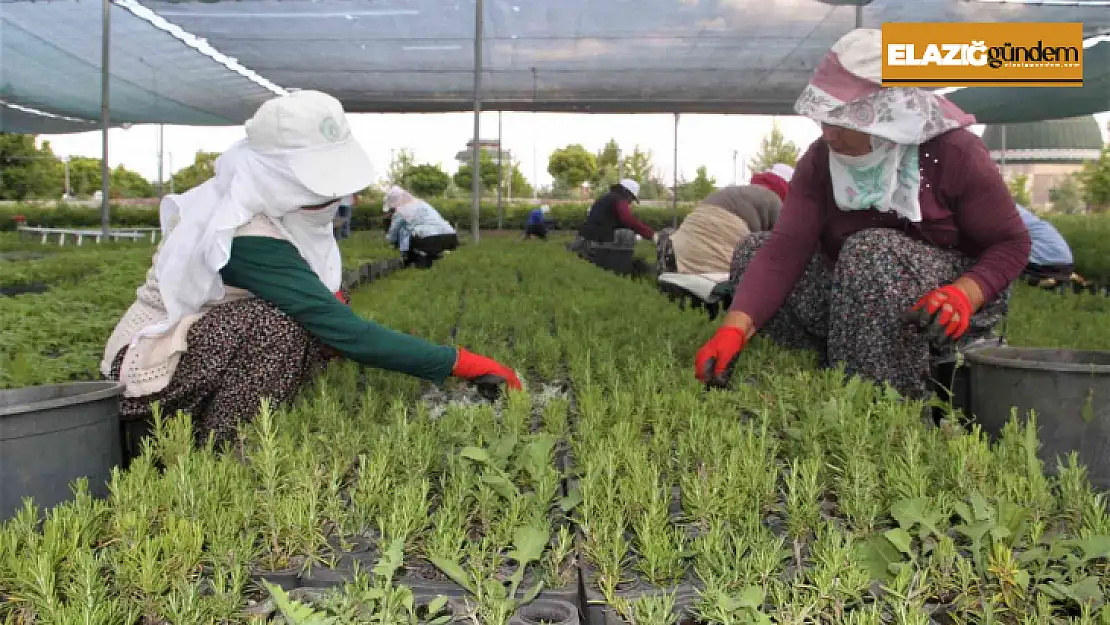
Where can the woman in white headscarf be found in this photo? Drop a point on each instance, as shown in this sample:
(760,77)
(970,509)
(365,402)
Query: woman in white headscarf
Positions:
(416,229)
(244,298)
(895,215)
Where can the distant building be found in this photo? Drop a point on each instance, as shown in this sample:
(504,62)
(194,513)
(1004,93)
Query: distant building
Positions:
(1046,152)
(486,146)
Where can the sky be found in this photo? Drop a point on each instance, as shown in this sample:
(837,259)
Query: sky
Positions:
(709,140)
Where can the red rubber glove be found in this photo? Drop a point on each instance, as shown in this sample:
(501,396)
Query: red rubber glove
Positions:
(714,361)
(342,296)
(947,310)
(471,366)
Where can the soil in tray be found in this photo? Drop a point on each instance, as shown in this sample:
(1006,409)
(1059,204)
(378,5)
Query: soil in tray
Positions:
(10,290)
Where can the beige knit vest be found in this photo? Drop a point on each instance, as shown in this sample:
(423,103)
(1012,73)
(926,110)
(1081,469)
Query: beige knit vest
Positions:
(150,362)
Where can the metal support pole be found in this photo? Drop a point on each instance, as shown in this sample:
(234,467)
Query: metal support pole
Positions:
(734,171)
(105,117)
(170,157)
(859,16)
(500,170)
(674,200)
(535,179)
(161,157)
(1002,160)
(476,160)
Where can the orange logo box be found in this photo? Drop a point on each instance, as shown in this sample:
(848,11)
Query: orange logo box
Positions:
(963,54)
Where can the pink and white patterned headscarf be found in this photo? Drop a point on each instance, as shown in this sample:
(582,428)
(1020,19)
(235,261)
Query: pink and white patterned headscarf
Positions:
(846,91)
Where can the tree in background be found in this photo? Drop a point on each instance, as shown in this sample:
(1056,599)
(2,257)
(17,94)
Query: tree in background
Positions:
(1019,189)
(516,185)
(1095,178)
(697,189)
(427,180)
(84,176)
(774,149)
(1066,198)
(488,172)
(202,169)
(399,168)
(129,184)
(27,170)
(572,165)
(608,166)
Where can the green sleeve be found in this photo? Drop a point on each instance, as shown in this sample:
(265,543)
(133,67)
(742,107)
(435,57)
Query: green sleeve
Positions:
(274,270)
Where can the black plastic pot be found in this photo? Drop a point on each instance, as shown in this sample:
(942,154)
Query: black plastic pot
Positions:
(286,580)
(53,435)
(548,612)
(1068,390)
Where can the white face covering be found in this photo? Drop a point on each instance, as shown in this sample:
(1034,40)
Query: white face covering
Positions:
(887,179)
(200,224)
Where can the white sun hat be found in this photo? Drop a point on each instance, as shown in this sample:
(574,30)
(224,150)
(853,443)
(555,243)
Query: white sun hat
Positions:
(632,186)
(309,131)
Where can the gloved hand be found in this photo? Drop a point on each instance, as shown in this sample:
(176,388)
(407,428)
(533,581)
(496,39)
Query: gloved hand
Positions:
(715,360)
(944,313)
(482,370)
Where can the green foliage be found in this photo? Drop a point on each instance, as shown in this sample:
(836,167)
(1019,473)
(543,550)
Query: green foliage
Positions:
(400,168)
(697,189)
(488,168)
(202,169)
(427,180)
(1019,190)
(1095,178)
(26,170)
(774,148)
(572,165)
(1067,197)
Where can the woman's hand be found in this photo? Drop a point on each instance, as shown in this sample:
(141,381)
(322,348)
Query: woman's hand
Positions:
(471,366)
(715,360)
(945,313)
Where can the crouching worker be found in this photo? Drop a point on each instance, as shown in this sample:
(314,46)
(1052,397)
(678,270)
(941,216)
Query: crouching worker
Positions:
(608,237)
(1050,259)
(707,238)
(417,229)
(243,301)
(896,218)
(537,223)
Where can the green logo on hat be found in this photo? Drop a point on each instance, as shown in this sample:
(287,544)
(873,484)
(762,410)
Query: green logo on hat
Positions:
(329,129)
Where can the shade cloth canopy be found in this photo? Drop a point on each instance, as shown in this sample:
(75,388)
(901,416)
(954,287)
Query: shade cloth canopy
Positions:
(616,56)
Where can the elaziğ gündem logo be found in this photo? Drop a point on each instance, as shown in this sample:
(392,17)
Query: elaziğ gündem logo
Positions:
(964,54)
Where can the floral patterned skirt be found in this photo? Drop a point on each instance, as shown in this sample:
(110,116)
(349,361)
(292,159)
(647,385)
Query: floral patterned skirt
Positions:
(849,311)
(239,353)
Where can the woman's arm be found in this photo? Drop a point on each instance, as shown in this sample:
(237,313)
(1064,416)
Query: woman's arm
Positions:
(394,231)
(273,270)
(986,215)
(779,264)
(628,220)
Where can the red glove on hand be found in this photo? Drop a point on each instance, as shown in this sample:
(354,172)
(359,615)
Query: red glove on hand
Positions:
(342,296)
(714,361)
(947,310)
(470,366)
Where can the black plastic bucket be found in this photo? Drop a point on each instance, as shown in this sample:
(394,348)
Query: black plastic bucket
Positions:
(53,435)
(1068,390)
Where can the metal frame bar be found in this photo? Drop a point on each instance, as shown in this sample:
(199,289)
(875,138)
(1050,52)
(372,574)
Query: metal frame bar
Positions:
(476,162)
(105,117)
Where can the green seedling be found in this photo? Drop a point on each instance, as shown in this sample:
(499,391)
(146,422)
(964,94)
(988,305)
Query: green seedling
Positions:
(717,604)
(497,602)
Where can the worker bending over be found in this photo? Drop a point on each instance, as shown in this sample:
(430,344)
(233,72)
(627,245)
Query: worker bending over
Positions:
(1050,259)
(416,229)
(537,223)
(244,300)
(708,237)
(608,236)
(897,219)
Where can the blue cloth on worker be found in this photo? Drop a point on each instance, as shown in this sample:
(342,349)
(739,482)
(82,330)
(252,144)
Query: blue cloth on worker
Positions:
(420,221)
(536,218)
(344,212)
(1049,247)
